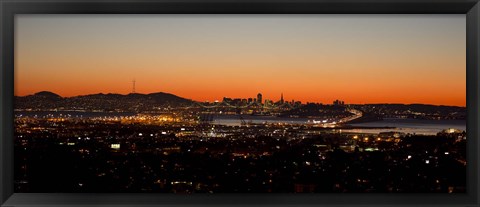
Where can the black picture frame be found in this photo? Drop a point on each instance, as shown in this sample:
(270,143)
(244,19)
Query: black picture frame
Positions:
(9,8)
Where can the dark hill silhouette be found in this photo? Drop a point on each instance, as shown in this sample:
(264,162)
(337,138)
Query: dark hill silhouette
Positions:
(47,94)
(106,102)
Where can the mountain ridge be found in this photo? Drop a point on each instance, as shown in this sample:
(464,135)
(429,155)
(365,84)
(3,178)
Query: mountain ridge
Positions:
(101,101)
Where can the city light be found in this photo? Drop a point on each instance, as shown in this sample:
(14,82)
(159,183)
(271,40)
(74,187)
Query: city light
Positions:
(115,146)
(167,144)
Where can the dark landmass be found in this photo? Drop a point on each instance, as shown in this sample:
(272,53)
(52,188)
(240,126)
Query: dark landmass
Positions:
(78,157)
(104,102)
(367,117)
(312,110)
(158,102)
(414,111)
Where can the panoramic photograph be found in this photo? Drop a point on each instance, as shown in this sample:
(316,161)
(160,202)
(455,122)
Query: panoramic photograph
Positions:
(186,104)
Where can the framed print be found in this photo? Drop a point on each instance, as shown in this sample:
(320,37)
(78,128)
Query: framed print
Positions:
(239,103)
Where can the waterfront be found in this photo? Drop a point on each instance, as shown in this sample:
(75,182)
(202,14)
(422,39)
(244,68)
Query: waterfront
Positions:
(425,127)
(411,126)
(236,120)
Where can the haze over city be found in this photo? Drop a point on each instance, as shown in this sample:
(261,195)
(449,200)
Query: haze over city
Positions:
(309,58)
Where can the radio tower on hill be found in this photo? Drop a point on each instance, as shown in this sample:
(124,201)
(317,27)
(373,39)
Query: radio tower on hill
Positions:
(133,89)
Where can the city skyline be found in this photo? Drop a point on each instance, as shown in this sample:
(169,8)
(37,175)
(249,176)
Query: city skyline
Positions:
(310,58)
(249,99)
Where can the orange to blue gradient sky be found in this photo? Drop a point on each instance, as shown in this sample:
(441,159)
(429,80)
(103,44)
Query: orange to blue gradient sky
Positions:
(311,58)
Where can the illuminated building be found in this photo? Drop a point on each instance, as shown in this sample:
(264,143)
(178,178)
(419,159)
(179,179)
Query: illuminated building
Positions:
(259,98)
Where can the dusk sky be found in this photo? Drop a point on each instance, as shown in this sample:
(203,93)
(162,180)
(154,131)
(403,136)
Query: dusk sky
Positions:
(311,58)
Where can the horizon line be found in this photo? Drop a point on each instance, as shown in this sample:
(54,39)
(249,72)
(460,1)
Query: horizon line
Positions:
(379,103)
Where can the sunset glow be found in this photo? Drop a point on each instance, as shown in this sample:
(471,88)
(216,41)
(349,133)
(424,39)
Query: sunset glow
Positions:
(308,58)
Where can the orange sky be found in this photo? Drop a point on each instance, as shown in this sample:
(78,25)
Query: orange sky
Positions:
(314,58)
